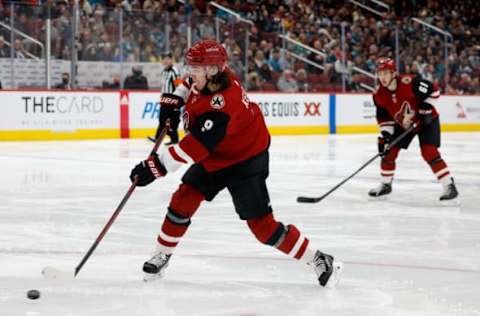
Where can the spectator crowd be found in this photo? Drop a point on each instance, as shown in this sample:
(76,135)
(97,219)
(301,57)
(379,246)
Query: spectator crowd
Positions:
(141,30)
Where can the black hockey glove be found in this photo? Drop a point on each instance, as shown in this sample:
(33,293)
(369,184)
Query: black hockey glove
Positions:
(171,105)
(426,113)
(170,100)
(384,143)
(148,170)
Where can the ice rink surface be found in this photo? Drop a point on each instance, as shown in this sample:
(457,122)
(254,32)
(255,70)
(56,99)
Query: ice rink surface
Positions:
(406,255)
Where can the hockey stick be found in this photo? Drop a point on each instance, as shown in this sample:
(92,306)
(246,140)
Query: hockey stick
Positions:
(54,273)
(305,199)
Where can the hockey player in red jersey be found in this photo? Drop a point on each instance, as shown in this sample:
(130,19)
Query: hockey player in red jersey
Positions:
(402,100)
(227,146)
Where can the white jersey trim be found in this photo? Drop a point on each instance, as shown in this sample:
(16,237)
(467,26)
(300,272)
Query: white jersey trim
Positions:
(389,129)
(168,238)
(182,154)
(297,246)
(168,161)
(432,101)
(387,172)
(442,172)
(182,91)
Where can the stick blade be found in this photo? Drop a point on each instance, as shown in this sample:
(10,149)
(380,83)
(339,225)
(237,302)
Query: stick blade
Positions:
(306,199)
(54,273)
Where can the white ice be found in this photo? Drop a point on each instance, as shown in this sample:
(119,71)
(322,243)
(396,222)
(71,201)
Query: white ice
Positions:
(406,255)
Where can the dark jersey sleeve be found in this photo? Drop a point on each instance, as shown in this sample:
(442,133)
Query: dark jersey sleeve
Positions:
(426,92)
(381,113)
(210,128)
(384,119)
(422,88)
(206,133)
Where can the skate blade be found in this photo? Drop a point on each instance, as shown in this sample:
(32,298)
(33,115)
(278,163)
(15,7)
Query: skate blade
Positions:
(335,277)
(455,202)
(149,277)
(378,198)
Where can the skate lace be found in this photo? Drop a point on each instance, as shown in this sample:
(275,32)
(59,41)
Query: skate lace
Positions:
(448,189)
(380,187)
(159,259)
(320,264)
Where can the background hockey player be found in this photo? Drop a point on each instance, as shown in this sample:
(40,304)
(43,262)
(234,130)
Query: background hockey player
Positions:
(170,79)
(227,147)
(402,100)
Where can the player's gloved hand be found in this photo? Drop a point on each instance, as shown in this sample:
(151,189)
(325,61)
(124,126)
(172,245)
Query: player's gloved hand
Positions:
(426,113)
(171,104)
(170,100)
(384,143)
(148,170)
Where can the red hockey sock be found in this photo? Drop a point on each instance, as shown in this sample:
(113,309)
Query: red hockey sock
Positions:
(185,201)
(387,165)
(266,229)
(432,156)
(288,240)
(294,244)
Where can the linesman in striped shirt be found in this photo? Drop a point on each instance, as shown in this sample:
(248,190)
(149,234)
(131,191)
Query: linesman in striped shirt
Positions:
(170,79)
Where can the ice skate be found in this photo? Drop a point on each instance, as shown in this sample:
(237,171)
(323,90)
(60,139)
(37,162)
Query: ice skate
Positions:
(381,190)
(155,267)
(328,269)
(450,194)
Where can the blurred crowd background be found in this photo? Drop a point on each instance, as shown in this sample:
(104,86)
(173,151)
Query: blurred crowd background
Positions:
(287,45)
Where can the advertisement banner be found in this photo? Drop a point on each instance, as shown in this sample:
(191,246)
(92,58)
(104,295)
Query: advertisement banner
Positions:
(144,109)
(30,113)
(30,72)
(284,113)
(299,109)
(355,113)
(90,74)
(459,109)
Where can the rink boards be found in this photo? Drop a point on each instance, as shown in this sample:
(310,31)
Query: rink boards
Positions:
(48,115)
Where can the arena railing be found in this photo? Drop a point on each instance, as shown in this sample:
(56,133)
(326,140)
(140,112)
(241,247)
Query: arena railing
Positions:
(238,18)
(447,36)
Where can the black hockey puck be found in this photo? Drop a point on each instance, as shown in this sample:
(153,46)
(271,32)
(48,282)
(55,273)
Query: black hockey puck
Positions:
(33,294)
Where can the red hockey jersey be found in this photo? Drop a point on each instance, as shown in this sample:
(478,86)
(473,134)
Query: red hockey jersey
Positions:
(402,105)
(224,128)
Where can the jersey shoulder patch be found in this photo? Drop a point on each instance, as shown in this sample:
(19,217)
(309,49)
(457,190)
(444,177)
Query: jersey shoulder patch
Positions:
(217,102)
(406,80)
